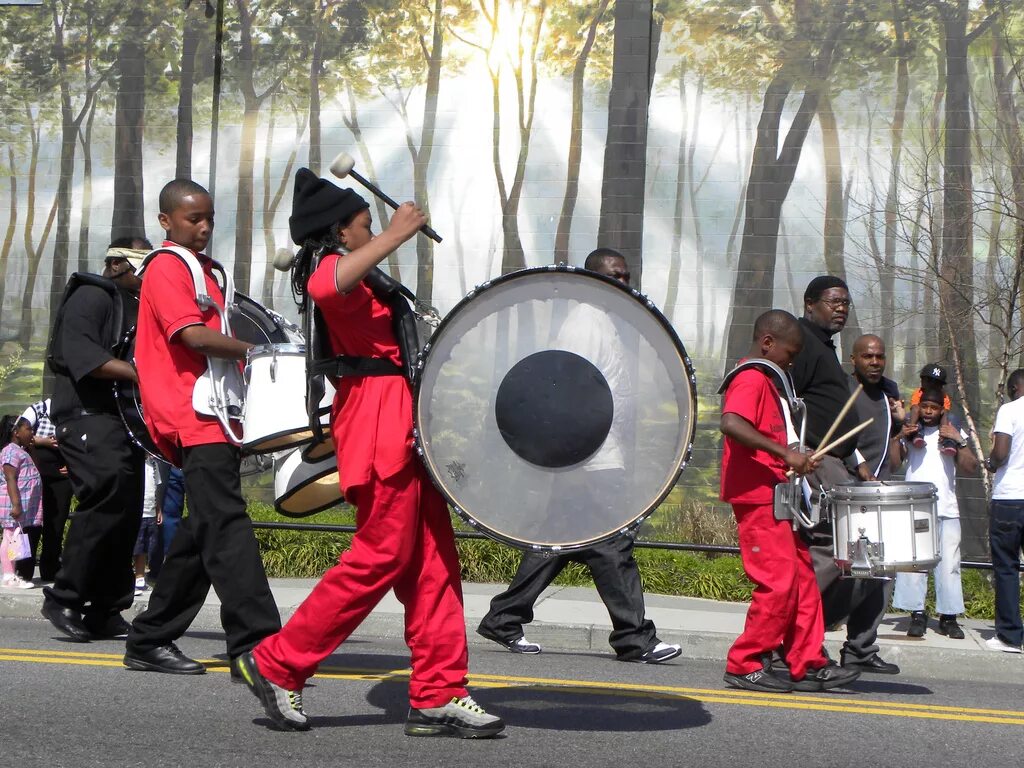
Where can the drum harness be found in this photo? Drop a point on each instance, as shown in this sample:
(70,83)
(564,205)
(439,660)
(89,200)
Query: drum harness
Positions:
(792,497)
(406,313)
(220,390)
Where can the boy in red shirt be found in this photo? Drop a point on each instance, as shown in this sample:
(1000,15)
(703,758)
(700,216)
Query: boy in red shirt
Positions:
(404,538)
(215,544)
(785,609)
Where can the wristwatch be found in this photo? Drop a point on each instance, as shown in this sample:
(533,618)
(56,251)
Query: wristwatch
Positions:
(962,444)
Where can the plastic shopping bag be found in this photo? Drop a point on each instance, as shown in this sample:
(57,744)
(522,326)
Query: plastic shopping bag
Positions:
(19,547)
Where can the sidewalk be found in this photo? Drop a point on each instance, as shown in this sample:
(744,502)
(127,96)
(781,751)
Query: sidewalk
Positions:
(572,619)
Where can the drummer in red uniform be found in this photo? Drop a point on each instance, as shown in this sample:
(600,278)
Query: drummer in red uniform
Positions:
(785,609)
(215,543)
(404,538)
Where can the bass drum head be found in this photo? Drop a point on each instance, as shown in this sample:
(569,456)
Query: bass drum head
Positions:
(555,408)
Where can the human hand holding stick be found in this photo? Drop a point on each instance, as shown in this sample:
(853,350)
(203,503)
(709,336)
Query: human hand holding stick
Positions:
(818,454)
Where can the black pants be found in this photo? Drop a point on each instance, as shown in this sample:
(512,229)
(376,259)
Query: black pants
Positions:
(861,603)
(616,577)
(56,506)
(105,469)
(214,545)
(1006,537)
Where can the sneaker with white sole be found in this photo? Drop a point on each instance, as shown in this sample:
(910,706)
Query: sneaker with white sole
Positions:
(656,654)
(459,717)
(519,645)
(140,585)
(283,707)
(996,643)
(16,582)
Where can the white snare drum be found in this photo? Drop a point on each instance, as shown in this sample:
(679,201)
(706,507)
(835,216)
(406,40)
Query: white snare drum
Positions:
(275,406)
(317,450)
(882,528)
(303,488)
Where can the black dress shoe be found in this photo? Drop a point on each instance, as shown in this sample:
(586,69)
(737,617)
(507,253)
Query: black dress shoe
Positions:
(165,658)
(918,624)
(873,663)
(66,620)
(108,627)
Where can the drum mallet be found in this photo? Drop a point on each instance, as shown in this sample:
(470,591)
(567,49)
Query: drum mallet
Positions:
(822,451)
(344,165)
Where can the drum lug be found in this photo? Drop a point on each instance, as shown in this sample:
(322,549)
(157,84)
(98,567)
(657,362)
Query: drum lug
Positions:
(860,554)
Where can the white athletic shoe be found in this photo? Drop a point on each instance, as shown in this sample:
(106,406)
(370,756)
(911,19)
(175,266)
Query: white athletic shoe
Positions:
(994,643)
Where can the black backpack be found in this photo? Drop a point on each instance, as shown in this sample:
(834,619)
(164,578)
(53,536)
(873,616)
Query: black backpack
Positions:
(54,353)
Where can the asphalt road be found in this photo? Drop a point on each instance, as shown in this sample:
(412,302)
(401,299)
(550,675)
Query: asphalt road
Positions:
(65,704)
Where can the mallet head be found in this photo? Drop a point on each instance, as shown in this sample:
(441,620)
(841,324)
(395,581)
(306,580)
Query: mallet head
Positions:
(342,165)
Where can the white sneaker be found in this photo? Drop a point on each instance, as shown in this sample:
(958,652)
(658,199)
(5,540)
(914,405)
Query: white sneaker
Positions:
(995,643)
(16,582)
(9,581)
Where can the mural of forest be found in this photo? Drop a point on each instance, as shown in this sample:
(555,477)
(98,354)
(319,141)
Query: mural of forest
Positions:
(732,149)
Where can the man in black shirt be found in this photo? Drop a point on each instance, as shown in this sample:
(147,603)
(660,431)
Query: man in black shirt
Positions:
(820,380)
(95,581)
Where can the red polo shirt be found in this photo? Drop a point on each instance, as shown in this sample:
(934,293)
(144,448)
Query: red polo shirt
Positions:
(371,420)
(167,368)
(749,476)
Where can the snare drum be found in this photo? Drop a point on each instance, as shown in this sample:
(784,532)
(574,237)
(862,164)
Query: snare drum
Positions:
(882,528)
(250,321)
(275,408)
(303,488)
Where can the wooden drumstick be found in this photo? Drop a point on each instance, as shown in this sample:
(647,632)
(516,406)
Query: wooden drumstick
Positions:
(842,413)
(822,451)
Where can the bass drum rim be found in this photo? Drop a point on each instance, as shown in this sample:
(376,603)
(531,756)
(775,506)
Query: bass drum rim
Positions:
(273,329)
(656,500)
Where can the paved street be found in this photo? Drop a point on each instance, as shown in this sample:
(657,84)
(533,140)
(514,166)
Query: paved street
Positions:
(75,705)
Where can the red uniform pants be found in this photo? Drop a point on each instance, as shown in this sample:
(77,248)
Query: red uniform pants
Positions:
(403,540)
(785,610)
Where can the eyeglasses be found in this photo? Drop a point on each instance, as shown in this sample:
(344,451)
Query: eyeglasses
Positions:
(837,303)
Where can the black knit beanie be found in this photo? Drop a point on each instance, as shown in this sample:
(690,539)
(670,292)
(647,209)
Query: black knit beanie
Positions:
(820,284)
(317,204)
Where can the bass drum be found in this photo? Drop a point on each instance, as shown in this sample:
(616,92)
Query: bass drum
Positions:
(555,408)
(250,321)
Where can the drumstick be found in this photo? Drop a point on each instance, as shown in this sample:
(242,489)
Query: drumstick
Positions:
(822,451)
(842,413)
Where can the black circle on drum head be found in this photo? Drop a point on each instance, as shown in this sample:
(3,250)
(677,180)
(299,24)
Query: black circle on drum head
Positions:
(554,408)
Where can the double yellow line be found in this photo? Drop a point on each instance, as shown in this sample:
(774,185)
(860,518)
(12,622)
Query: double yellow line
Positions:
(850,704)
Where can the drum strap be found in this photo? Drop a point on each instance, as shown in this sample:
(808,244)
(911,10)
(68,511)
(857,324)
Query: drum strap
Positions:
(348,365)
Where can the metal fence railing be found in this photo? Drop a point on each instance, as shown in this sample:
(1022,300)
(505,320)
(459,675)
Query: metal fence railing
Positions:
(719,549)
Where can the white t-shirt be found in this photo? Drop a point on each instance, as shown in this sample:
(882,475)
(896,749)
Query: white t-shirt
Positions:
(930,465)
(1009,481)
(590,333)
(152,475)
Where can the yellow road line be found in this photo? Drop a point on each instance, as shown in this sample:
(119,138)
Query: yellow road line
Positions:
(827,703)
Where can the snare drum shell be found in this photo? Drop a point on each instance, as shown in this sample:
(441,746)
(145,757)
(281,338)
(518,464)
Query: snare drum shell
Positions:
(900,516)
(303,488)
(275,404)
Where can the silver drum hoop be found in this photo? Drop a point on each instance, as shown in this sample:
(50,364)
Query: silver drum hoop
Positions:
(614,384)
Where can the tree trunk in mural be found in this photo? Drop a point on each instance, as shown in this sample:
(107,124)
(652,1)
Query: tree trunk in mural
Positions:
(85,225)
(271,201)
(33,251)
(675,254)
(621,225)
(186,88)
(12,223)
(351,120)
(315,64)
(128,218)
(887,277)
(572,182)
(771,175)
(956,284)
(1010,139)
(421,158)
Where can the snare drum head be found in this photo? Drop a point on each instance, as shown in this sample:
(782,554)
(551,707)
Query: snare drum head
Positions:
(555,408)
